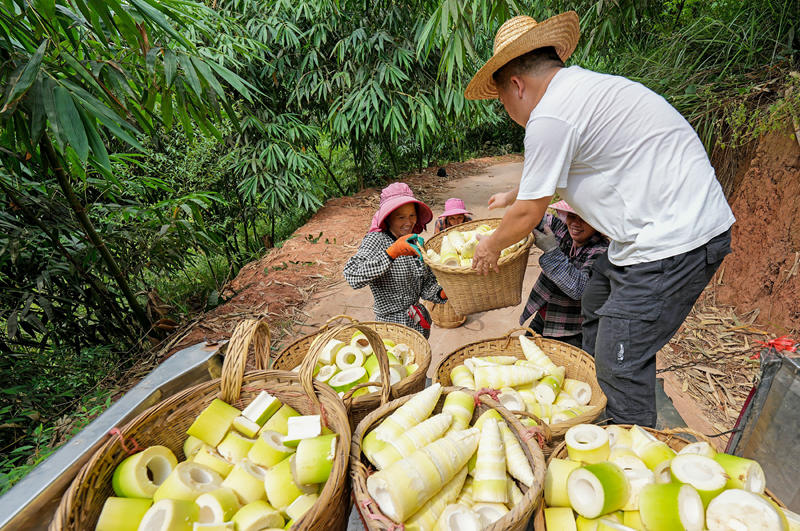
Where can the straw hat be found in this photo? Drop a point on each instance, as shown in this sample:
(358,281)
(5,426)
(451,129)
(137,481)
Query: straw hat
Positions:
(519,35)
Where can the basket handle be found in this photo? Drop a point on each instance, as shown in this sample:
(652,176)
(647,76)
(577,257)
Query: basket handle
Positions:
(340,316)
(541,425)
(688,431)
(310,360)
(507,335)
(247,332)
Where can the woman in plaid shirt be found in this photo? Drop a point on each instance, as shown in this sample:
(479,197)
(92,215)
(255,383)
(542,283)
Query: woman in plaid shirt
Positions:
(389,261)
(570,247)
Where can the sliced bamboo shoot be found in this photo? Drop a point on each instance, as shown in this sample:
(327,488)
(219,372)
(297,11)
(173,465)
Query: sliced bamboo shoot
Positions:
(617,435)
(655,453)
(261,408)
(597,489)
(169,515)
(257,516)
(234,446)
(489,513)
(122,514)
(555,481)
(742,473)
(328,354)
(448,253)
(637,479)
(549,386)
(140,475)
(458,517)
(314,459)
(698,448)
(559,518)
(580,391)
(217,506)
(348,357)
(346,379)
(587,443)
(703,473)
(511,399)
(213,423)
(670,507)
(247,481)
(326,372)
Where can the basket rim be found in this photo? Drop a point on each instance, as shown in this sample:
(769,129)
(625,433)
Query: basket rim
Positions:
(531,499)
(362,399)
(502,261)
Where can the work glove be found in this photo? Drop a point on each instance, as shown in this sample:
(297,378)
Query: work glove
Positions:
(545,240)
(408,245)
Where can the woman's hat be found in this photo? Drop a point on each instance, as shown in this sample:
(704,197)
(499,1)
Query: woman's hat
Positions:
(393,197)
(562,208)
(518,36)
(453,207)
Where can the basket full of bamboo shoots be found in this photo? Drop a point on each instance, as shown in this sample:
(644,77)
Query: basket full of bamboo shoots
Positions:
(246,452)
(351,360)
(550,379)
(449,255)
(445,458)
(624,477)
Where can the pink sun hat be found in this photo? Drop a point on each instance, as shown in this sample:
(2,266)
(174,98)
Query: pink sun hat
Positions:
(562,208)
(453,207)
(393,197)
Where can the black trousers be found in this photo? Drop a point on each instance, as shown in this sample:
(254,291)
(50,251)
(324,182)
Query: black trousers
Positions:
(537,325)
(630,312)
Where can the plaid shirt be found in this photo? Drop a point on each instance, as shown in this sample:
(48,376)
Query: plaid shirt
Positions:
(441,223)
(396,284)
(565,274)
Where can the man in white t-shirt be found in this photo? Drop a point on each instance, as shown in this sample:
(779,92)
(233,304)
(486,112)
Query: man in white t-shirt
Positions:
(631,166)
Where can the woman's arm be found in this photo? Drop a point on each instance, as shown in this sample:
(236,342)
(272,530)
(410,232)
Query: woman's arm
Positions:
(369,263)
(571,279)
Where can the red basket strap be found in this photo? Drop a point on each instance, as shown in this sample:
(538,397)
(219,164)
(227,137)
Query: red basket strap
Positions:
(123,442)
(486,391)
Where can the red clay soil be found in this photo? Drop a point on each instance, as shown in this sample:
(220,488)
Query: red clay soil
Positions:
(762,272)
(276,286)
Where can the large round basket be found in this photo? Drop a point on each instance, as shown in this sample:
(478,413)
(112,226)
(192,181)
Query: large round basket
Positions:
(515,520)
(470,292)
(671,437)
(579,366)
(443,315)
(293,355)
(166,424)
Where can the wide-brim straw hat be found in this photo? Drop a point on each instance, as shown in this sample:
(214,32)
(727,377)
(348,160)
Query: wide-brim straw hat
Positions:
(520,35)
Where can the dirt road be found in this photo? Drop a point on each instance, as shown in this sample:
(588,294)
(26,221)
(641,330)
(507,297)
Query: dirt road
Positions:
(475,190)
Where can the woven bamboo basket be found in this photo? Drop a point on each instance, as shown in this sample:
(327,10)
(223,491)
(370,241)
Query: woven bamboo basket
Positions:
(579,366)
(358,407)
(671,437)
(166,424)
(515,520)
(470,292)
(443,315)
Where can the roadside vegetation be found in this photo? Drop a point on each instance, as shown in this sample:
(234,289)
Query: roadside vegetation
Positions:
(152,148)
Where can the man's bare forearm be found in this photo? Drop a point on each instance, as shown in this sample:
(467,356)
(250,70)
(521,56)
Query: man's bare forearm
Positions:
(520,219)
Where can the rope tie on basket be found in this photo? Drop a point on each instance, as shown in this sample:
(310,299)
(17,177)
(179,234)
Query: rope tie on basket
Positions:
(373,516)
(486,391)
(123,442)
(534,431)
(778,343)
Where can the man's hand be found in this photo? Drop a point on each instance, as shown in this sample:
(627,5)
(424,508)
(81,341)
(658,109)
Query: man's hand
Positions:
(486,256)
(503,199)
(545,240)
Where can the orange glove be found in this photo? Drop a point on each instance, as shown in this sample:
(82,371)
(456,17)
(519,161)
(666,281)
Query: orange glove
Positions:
(442,295)
(407,245)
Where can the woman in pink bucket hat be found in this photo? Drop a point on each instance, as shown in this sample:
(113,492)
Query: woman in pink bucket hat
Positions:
(455,213)
(389,261)
(570,247)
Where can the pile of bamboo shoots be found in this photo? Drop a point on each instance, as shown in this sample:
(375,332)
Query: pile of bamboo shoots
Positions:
(458,248)
(535,384)
(627,479)
(438,472)
(249,470)
(345,365)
